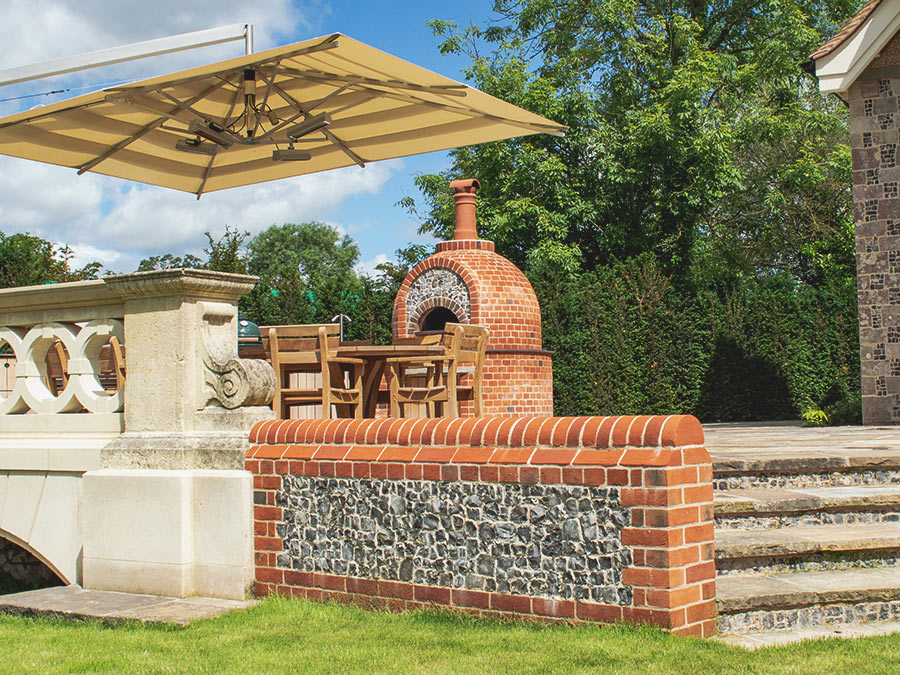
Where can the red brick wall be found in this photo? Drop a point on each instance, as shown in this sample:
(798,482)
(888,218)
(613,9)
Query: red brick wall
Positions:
(517,383)
(658,464)
(502,299)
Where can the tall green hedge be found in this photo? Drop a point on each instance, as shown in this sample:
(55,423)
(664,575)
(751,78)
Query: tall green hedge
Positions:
(625,341)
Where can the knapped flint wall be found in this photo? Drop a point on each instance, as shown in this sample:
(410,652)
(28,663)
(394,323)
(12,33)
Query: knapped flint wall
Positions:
(553,541)
(874,125)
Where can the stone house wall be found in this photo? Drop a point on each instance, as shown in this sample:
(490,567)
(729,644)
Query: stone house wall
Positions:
(874,125)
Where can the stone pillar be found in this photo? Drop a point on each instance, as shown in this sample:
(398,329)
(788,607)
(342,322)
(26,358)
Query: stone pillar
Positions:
(874,124)
(189,400)
(170,511)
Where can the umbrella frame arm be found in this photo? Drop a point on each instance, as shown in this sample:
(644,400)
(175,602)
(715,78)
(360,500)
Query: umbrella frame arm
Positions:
(87,166)
(299,108)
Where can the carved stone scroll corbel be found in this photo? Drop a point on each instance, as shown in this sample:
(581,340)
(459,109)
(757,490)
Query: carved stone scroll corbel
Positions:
(241,382)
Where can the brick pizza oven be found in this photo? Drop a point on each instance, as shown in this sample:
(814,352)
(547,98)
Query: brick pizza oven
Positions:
(465,281)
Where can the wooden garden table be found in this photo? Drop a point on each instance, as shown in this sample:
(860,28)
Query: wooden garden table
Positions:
(376,357)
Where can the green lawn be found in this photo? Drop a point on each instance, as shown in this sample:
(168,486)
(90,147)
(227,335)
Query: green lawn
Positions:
(290,636)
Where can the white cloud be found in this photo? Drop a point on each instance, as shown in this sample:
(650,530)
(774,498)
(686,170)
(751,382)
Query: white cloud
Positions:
(124,222)
(368,266)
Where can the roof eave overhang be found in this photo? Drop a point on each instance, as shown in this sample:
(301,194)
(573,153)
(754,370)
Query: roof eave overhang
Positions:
(838,70)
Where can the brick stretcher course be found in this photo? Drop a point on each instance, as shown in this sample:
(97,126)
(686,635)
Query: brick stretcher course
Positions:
(652,472)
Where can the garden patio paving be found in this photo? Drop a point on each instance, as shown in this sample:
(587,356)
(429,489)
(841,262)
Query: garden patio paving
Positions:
(750,446)
(74,602)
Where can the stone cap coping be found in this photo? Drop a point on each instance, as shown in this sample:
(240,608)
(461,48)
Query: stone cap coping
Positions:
(57,296)
(205,284)
(650,432)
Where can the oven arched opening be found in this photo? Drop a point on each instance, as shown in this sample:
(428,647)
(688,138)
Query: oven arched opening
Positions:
(436,318)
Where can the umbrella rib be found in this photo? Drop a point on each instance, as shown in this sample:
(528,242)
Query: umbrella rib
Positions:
(187,107)
(209,164)
(125,91)
(556,129)
(281,125)
(261,107)
(315,105)
(146,129)
(343,146)
(322,76)
(322,101)
(286,122)
(329,135)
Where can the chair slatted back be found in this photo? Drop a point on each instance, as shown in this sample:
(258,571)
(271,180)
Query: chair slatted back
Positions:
(467,343)
(308,370)
(298,345)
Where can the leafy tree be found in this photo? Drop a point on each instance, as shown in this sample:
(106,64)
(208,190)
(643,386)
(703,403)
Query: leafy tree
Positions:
(692,129)
(306,274)
(26,260)
(701,168)
(227,253)
(168,261)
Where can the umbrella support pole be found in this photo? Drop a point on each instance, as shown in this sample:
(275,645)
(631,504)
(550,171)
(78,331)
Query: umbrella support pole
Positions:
(130,52)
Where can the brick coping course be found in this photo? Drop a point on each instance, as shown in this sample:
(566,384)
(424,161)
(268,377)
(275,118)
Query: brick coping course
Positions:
(579,435)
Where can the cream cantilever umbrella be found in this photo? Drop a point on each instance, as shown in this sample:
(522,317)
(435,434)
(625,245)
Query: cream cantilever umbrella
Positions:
(298,109)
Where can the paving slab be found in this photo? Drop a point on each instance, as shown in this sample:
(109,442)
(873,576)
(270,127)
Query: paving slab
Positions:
(778,500)
(784,637)
(805,539)
(789,446)
(748,592)
(77,603)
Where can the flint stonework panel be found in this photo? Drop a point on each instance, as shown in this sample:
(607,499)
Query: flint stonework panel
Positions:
(552,541)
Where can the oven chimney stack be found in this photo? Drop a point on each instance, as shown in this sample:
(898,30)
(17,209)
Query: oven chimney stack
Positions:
(464,201)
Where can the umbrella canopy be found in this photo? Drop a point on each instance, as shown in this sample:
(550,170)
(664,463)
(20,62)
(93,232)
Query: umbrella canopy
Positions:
(297,109)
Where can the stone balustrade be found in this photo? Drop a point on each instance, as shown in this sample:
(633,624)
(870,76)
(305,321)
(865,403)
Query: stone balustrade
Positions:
(183,372)
(83,317)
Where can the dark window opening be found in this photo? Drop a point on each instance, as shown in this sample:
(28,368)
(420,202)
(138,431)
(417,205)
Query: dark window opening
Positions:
(437,318)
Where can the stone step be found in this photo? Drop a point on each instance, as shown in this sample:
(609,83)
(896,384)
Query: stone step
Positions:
(771,508)
(807,547)
(796,469)
(765,602)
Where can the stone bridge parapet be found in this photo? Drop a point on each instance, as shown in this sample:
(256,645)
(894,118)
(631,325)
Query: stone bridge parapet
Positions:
(124,389)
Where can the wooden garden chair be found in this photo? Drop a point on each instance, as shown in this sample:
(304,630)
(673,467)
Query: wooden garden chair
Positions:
(310,349)
(440,383)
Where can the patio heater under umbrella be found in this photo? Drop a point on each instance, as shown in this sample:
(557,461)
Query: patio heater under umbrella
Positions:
(298,109)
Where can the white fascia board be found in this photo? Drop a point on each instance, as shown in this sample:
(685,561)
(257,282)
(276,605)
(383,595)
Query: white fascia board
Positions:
(839,70)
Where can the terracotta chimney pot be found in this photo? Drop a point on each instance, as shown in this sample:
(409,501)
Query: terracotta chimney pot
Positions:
(464,200)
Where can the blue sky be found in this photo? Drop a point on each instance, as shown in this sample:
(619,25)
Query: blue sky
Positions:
(118,222)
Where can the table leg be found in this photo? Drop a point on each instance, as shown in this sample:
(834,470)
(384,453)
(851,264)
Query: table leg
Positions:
(371,382)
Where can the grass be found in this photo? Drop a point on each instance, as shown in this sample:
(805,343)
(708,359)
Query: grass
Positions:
(281,635)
